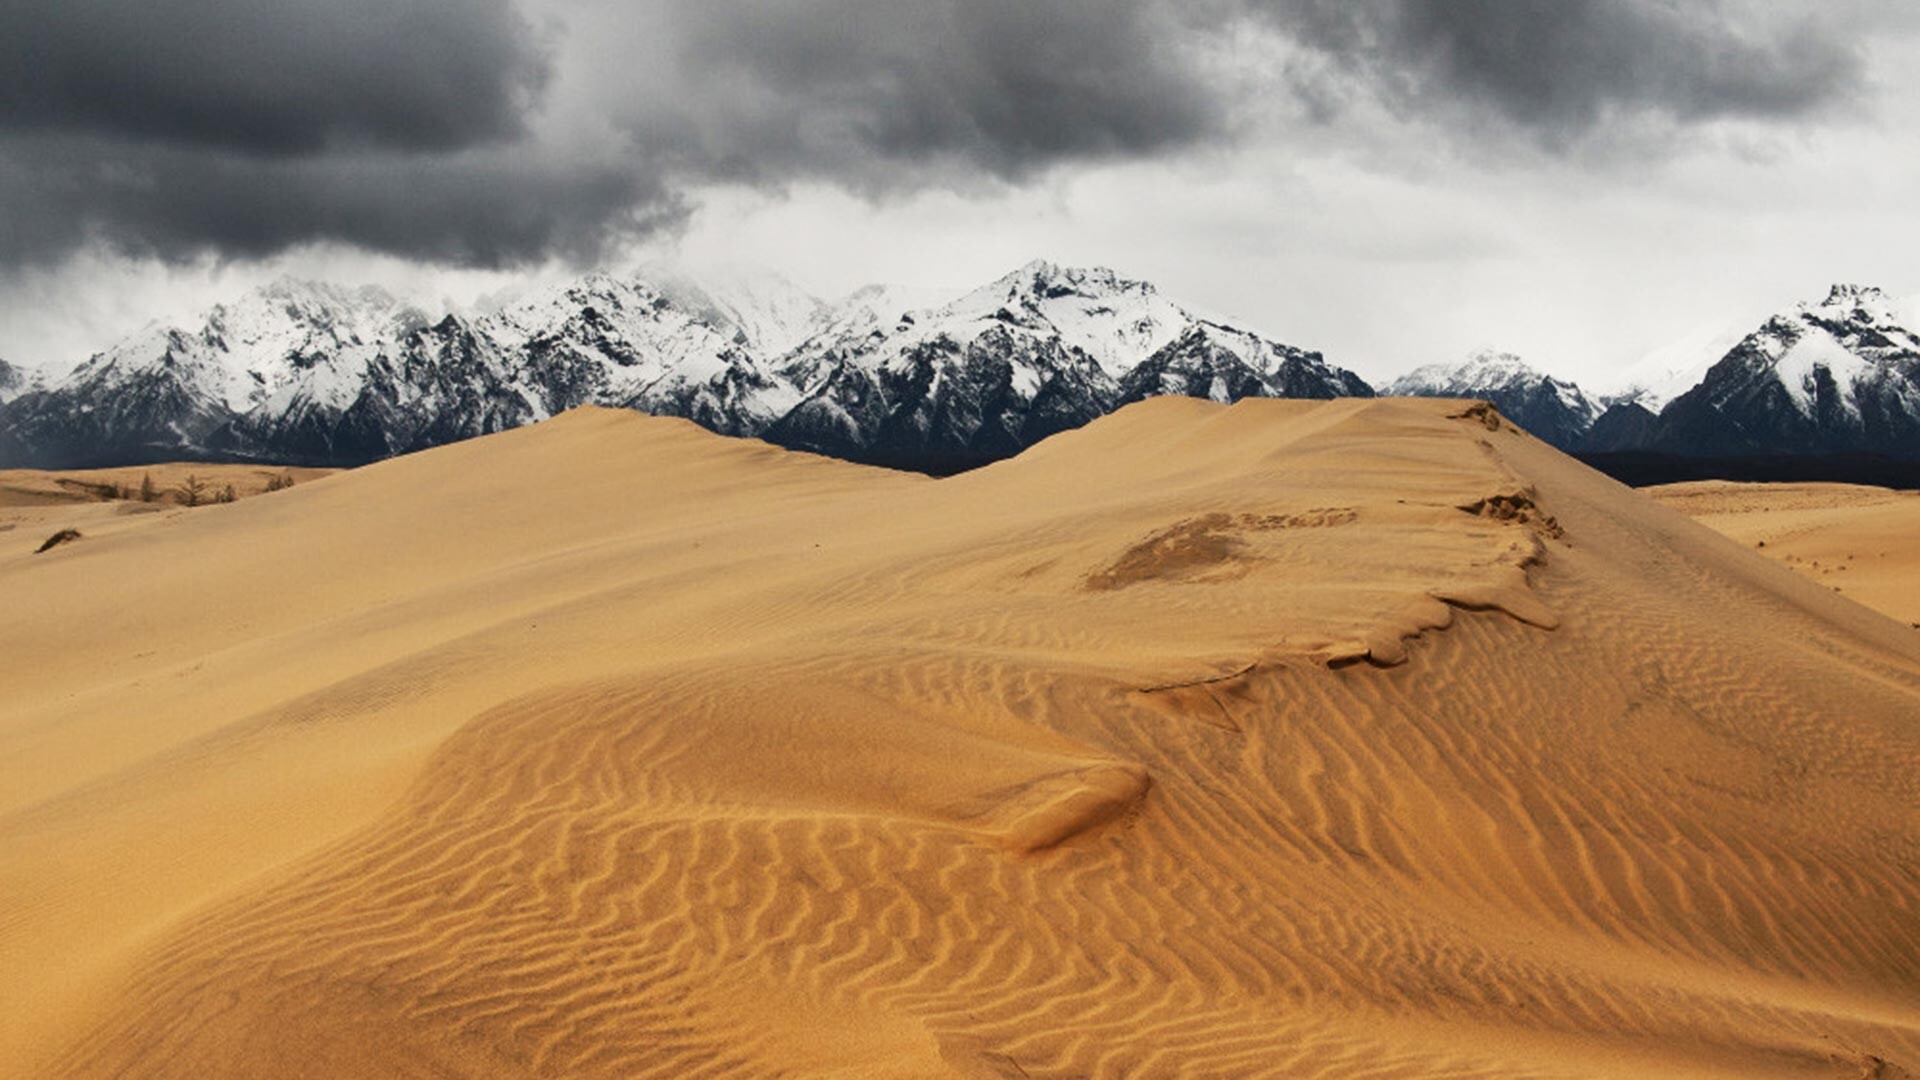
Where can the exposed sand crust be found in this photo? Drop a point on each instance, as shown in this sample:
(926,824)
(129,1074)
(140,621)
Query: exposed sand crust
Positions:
(1862,542)
(1293,739)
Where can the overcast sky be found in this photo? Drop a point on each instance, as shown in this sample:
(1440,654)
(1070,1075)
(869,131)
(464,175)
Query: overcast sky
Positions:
(1394,182)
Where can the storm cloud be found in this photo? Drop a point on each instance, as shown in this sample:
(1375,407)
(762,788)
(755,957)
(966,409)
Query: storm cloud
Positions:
(271,77)
(848,89)
(1559,68)
(477,132)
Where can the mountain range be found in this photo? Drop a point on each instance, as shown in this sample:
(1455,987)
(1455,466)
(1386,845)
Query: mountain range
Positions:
(1840,376)
(306,373)
(309,373)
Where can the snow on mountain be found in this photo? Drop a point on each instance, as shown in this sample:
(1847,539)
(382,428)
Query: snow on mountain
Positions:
(1222,363)
(16,379)
(310,373)
(1115,320)
(763,311)
(1040,350)
(1676,367)
(1553,409)
(1835,376)
(599,340)
(165,390)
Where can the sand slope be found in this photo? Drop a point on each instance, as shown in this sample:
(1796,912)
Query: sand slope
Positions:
(35,503)
(1294,739)
(1862,542)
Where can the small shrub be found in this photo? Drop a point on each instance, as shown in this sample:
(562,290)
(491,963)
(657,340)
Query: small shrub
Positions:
(147,492)
(281,482)
(64,536)
(192,490)
(226,495)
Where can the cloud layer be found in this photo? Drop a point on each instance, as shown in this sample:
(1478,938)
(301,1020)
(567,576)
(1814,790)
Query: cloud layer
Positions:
(476,132)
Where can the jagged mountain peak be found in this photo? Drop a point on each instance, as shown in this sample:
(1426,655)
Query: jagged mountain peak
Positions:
(1848,295)
(1841,374)
(1552,408)
(307,371)
(14,380)
(1480,369)
(1116,320)
(761,309)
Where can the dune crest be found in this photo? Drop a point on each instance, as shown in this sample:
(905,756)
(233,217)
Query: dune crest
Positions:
(1292,739)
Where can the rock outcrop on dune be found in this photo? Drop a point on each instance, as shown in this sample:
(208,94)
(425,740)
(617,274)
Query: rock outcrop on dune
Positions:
(1293,739)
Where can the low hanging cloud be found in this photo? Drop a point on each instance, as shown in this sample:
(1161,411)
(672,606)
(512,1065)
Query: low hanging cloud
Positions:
(479,132)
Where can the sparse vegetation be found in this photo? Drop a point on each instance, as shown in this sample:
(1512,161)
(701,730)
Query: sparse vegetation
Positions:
(281,482)
(147,492)
(192,491)
(226,495)
(64,536)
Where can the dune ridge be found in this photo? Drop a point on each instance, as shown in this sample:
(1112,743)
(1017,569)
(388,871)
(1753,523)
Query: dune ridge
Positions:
(1346,739)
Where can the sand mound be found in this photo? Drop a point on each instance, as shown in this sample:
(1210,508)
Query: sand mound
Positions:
(1202,741)
(1857,541)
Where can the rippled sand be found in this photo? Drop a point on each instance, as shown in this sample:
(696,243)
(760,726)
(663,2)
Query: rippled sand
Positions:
(1291,739)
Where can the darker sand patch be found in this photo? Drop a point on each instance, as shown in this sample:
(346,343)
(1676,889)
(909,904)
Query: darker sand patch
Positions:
(1211,547)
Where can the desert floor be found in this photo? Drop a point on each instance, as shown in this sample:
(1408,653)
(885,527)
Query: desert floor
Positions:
(1290,739)
(1862,542)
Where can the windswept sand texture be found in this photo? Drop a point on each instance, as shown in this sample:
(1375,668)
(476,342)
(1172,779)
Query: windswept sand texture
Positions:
(1290,739)
(1861,542)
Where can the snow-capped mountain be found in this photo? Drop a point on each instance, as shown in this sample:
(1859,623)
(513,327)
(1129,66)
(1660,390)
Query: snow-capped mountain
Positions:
(307,373)
(310,373)
(1837,376)
(762,310)
(1211,360)
(169,388)
(599,340)
(15,380)
(1676,367)
(1040,350)
(1552,409)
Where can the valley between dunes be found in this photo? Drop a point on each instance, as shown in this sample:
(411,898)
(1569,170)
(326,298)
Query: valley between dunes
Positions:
(1289,739)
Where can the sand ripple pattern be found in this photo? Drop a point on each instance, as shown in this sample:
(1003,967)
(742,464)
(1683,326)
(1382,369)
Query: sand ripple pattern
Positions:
(1667,829)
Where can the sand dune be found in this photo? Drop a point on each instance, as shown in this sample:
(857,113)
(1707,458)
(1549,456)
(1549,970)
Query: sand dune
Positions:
(36,503)
(1862,542)
(1291,739)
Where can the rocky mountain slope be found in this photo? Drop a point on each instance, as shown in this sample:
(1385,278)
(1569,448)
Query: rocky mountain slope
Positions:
(1041,350)
(1842,375)
(314,374)
(13,381)
(1553,409)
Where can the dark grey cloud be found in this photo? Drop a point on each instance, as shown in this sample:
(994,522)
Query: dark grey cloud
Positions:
(269,76)
(481,132)
(1561,68)
(481,207)
(844,88)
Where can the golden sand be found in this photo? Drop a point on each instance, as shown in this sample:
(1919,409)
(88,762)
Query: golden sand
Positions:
(1290,739)
(1861,542)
